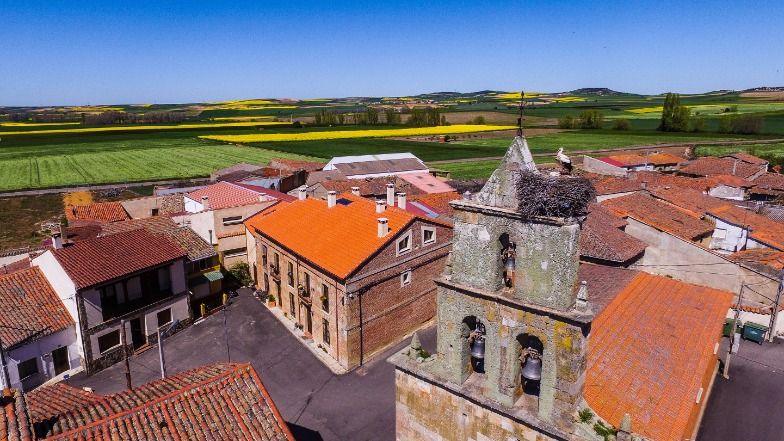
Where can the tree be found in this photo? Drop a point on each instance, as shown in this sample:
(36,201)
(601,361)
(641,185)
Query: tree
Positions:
(372,115)
(566,122)
(675,117)
(591,119)
(240,273)
(479,120)
(622,124)
(697,124)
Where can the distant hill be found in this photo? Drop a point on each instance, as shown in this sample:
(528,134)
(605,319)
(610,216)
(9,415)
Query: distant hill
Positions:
(766,89)
(596,91)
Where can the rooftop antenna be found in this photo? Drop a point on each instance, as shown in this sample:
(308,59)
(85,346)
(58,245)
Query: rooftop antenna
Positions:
(520,117)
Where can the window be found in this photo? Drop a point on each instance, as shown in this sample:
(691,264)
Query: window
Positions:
(232,220)
(324,297)
(111,296)
(405,278)
(292,308)
(234,252)
(404,244)
(290,274)
(307,282)
(108,341)
(154,212)
(27,368)
(164,317)
(264,255)
(428,235)
(325,331)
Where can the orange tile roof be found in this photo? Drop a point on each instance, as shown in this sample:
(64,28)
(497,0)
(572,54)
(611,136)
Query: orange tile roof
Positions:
(30,308)
(746,157)
(439,201)
(14,423)
(710,166)
(729,180)
(602,238)
(337,239)
(225,195)
(101,212)
(659,215)
(763,229)
(632,160)
(764,258)
(650,352)
(216,402)
(694,202)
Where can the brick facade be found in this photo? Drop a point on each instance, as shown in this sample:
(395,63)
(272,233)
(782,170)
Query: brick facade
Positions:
(374,292)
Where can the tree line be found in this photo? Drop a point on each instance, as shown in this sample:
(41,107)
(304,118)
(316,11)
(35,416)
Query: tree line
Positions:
(417,117)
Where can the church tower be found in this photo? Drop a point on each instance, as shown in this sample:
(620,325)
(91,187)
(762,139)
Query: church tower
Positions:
(512,320)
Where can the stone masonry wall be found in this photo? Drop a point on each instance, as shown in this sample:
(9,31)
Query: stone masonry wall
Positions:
(425,411)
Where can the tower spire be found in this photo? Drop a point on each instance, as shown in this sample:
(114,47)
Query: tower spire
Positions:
(520,115)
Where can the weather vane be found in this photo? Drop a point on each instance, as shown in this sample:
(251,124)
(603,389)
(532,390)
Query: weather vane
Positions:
(520,117)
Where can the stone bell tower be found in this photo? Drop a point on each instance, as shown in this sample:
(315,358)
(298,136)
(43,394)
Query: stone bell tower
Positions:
(512,333)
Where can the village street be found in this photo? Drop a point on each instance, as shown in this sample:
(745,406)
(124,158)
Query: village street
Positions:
(316,403)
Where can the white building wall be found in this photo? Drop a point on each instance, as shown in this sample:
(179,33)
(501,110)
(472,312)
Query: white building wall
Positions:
(203,223)
(64,287)
(192,206)
(41,350)
(728,237)
(251,246)
(727,192)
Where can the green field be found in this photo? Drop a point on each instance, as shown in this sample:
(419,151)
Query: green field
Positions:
(125,160)
(774,153)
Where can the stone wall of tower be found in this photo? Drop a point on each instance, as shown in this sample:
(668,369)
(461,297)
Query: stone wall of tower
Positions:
(427,411)
(547,256)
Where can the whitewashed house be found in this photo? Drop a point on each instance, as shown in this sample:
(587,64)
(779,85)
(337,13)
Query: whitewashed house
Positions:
(38,334)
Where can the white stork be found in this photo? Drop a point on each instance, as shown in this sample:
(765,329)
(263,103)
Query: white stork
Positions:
(564,160)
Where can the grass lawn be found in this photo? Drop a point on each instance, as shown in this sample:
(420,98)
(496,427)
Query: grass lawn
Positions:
(601,139)
(121,160)
(20,218)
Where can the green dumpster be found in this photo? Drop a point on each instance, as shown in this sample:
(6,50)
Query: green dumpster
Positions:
(728,328)
(755,332)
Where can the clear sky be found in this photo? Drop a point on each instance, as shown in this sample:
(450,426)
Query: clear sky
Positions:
(56,52)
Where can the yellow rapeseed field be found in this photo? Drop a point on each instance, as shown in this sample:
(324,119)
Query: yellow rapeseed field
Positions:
(145,128)
(34,124)
(516,95)
(346,134)
(653,109)
(242,118)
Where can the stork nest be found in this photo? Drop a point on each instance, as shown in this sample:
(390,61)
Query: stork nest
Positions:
(553,196)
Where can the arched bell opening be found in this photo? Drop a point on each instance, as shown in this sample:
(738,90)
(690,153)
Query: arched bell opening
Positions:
(528,372)
(508,260)
(475,334)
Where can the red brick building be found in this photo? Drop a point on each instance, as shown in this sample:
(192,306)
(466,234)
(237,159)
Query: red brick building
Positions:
(353,274)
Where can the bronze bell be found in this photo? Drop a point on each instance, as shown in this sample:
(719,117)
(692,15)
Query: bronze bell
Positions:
(478,348)
(532,370)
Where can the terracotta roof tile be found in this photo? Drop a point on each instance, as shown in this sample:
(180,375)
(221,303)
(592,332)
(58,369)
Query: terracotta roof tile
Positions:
(217,402)
(14,422)
(31,309)
(649,352)
(764,259)
(659,215)
(58,398)
(338,239)
(763,229)
(225,195)
(439,201)
(602,238)
(294,165)
(190,242)
(269,192)
(694,202)
(633,160)
(381,166)
(427,182)
(710,166)
(746,157)
(99,260)
(101,212)
(372,186)
(769,183)
(729,180)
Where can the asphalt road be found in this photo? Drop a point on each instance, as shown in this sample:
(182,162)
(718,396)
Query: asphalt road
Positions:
(316,403)
(747,407)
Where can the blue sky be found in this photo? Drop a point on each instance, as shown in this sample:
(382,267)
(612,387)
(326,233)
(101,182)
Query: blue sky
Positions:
(79,52)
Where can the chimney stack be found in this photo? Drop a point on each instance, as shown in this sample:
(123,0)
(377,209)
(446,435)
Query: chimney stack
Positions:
(401,201)
(383,226)
(391,195)
(331,198)
(205,203)
(262,198)
(355,191)
(381,206)
(57,241)
(302,193)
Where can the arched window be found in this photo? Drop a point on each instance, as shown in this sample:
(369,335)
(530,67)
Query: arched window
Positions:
(531,349)
(475,333)
(508,264)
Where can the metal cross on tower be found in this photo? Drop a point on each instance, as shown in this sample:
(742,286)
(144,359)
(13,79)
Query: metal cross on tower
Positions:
(520,117)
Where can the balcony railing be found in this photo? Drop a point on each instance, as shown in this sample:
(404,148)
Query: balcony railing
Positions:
(111,311)
(304,294)
(275,272)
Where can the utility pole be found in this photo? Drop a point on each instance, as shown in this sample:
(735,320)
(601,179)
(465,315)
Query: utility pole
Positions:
(732,335)
(775,312)
(125,352)
(160,353)
(6,377)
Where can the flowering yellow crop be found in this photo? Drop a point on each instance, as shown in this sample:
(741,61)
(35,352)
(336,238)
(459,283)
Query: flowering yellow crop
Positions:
(145,128)
(35,124)
(89,109)
(242,118)
(246,102)
(653,109)
(516,95)
(346,134)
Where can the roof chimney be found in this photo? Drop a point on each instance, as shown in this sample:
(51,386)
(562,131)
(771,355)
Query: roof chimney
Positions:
(331,197)
(381,206)
(391,195)
(302,193)
(262,198)
(355,191)
(401,201)
(205,203)
(57,241)
(383,226)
